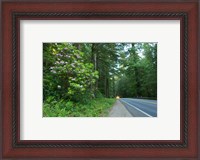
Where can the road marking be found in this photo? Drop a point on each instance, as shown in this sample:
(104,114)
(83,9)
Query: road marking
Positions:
(145,101)
(136,108)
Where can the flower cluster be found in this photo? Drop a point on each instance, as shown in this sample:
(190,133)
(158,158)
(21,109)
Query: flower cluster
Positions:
(73,74)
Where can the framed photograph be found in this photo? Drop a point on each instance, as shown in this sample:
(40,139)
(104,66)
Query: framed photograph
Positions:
(100,79)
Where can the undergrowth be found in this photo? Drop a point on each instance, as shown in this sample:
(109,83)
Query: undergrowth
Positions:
(98,107)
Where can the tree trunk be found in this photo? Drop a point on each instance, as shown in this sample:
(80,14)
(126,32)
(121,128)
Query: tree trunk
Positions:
(105,86)
(95,63)
(108,88)
(114,86)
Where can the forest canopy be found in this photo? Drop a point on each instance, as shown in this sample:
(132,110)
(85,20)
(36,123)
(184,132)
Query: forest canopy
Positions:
(78,74)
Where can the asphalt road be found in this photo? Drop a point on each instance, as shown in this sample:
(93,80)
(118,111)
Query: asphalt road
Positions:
(140,107)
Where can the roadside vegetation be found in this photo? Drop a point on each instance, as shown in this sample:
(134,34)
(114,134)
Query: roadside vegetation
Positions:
(98,107)
(83,79)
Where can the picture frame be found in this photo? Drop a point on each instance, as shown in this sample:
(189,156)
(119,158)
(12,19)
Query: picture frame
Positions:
(186,11)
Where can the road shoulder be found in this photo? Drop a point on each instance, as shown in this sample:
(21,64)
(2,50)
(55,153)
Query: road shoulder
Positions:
(118,110)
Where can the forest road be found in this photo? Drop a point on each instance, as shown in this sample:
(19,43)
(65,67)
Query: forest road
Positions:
(118,110)
(140,107)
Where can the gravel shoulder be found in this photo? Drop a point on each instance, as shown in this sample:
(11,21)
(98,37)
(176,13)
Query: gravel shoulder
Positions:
(118,110)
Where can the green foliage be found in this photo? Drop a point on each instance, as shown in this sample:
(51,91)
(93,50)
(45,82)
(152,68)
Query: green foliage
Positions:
(139,72)
(95,108)
(68,76)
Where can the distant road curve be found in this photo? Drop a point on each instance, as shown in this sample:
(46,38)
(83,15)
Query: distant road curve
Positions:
(140,107)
